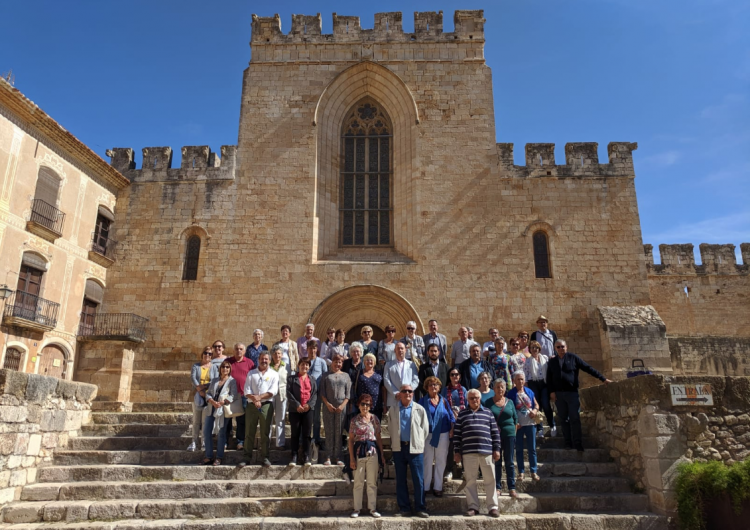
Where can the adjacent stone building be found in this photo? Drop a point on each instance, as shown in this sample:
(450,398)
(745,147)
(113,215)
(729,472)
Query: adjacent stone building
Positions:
(366,187)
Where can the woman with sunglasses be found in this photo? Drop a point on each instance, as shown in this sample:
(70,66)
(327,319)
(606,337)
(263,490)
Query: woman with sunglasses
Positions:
(365,454)
(200,376)
(371,346)
(326,347)
(221,391)
(415,347)
(387,346)
(515,357)
(454,392)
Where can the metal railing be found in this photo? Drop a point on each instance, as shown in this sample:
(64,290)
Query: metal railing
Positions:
(47,215)
(103,245)
(32,308)
(113,326)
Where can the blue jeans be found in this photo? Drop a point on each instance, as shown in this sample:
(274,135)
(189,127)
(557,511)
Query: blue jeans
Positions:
(208,439)
(508,446)
(528,432)
(415,462)
(542,394)
(569,410)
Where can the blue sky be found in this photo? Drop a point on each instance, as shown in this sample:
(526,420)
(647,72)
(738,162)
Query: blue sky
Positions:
(672,76)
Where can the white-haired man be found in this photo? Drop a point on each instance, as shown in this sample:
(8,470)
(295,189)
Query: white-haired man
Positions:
(414,343)
(307,337)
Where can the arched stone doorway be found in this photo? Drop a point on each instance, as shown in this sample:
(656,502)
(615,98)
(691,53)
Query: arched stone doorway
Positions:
(53,361)
(359,305)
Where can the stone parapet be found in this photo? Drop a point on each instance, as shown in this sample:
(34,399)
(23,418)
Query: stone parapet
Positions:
(648,437)
(581,160)
(37,415)
(680,259)
(199,163)
(710,355)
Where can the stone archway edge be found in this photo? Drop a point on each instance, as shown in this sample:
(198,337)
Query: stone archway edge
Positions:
(360,304)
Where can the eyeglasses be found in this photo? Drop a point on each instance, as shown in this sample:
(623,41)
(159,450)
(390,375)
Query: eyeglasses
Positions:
(407,391)
(217,346)
(391,331)
(366,404)
(206,353)
(473,398)
(411,329)
(559,347)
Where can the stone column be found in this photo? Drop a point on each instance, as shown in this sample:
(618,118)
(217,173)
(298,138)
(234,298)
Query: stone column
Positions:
(109,365)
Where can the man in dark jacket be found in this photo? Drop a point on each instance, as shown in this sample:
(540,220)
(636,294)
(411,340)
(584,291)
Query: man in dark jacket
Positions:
(473,366)
(432,367)
(562,382)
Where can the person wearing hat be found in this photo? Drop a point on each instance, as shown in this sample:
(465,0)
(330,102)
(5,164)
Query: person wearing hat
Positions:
(545,336)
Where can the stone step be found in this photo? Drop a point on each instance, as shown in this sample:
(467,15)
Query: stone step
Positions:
(523,521)
(177,457)
(148,418)
(166,406)
(86,473)
(152,431)
(150,488)
(209,508)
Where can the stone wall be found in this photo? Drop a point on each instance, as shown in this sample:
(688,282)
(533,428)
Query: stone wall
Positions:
(648,437)
(463,213)
(710,299)
(710,355)
(37,415)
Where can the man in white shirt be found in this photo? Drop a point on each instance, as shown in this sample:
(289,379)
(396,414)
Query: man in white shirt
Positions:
(397,373)
(261,386)
(493,335)
(460,348)
(545,336)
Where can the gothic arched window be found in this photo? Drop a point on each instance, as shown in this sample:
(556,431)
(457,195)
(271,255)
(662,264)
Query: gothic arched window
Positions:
(541,255)
(192,255)
(365,213)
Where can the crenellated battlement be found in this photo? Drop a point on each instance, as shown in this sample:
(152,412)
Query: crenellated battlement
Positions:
(198,163)
(581,160)
(680,259)
(388,27)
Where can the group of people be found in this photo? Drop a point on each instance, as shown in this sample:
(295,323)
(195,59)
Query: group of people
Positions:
(481,403)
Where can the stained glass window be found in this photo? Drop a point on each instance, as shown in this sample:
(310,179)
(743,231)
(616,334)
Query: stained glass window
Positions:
(365,196)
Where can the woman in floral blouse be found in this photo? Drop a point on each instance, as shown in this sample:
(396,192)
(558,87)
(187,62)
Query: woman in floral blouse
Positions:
(500,362)
(365,453)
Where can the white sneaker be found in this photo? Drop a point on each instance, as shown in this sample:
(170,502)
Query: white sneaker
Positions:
(376,515)
(191,447)
(553,432)
(355,515)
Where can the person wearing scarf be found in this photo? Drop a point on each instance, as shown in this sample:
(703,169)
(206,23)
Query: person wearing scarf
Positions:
(454,392)
(441,420)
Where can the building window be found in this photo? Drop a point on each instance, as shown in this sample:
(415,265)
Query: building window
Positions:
(541,255)
(365,213)
(192,255)
(12,359)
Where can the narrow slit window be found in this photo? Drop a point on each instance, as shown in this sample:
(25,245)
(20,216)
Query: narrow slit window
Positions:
(541,255)
(192,255)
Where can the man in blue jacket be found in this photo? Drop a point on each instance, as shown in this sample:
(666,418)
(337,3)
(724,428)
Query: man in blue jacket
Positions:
(562,381)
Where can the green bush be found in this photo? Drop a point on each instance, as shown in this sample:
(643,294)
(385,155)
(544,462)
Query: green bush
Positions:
(698,483)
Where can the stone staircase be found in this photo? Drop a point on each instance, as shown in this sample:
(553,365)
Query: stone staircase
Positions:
(131,470)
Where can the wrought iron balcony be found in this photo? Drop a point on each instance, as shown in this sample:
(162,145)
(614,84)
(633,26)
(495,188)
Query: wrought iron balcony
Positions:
(26,310)
(102,250)
(46,221)
(113,326)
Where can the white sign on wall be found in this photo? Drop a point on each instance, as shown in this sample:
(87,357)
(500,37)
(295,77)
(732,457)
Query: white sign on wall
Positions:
(696,395)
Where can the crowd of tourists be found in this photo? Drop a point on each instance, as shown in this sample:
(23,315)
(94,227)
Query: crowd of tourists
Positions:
(482,403)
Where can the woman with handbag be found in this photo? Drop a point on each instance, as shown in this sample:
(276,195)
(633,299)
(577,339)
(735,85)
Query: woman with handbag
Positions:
(365,454)
(527,409)
(504,411)
(302,394)
(221,391)
(200,376)
(441,419)
(279,400)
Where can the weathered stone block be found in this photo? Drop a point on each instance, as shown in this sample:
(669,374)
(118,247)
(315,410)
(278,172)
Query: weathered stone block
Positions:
(13,383)
(40,387)
(662,447)
(53,420)
(35,443)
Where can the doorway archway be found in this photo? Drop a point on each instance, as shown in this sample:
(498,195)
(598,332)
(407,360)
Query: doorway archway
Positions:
(359,305)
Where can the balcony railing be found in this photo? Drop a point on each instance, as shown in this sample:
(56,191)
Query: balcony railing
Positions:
(103,246)
(48,216)
(30,311)
(113,326)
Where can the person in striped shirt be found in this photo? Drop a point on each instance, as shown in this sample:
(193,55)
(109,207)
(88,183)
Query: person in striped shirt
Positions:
(476,441)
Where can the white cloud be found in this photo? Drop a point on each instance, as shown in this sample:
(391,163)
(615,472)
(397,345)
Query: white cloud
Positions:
(728,228)
(664,159)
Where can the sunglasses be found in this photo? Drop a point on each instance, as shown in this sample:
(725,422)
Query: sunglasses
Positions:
(389,331)
(407,391)
(366,404)
(455,375)
(217,346)
(206,353)
(411,329)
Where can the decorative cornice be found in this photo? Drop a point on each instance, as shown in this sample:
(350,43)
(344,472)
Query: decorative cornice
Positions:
(29,113)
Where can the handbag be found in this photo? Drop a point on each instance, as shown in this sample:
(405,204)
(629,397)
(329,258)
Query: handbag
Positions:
(234,409)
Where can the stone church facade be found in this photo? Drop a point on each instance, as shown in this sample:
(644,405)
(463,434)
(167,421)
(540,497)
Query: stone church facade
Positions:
(367,187)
